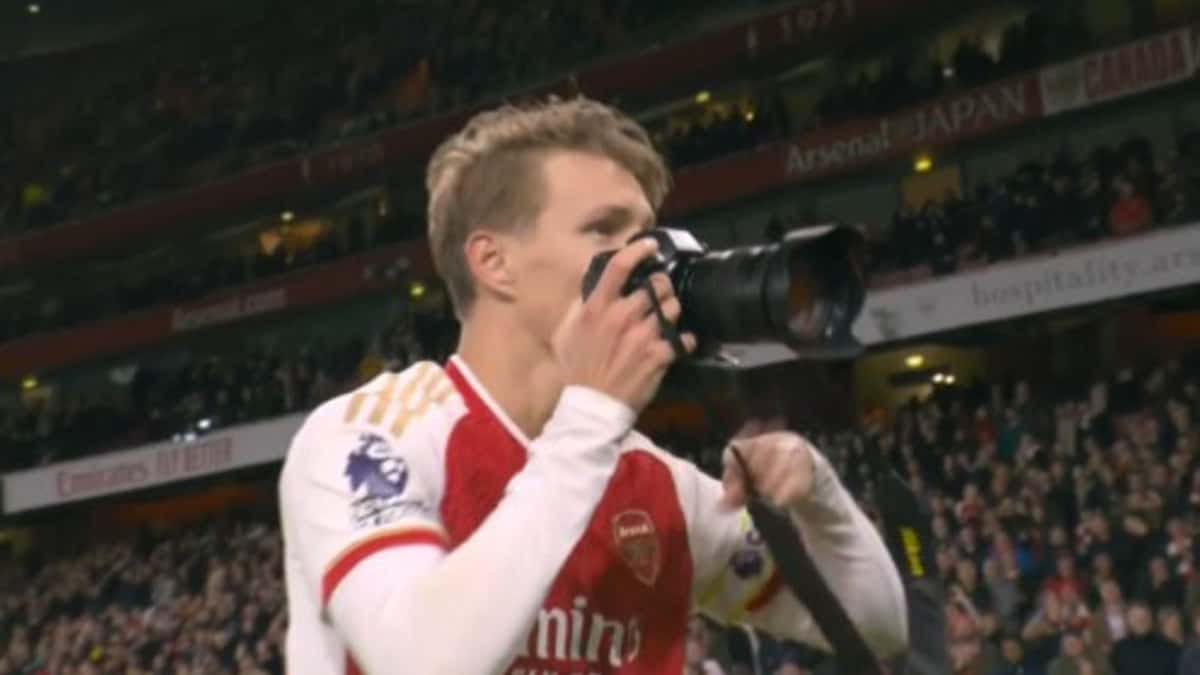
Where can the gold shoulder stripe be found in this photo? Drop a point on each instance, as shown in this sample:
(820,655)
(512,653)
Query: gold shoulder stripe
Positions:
(385,398)
(424,370)
(434,391)
(356,403)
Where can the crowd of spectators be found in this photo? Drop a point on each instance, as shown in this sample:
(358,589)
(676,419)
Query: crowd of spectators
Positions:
(1064,518)
(908,78)
(183,272)
(205,601)
(198,104)
(200,391)
(1042,207)
(905,78)
(718,130)
(1111,192)
(198,109)
(1064,524)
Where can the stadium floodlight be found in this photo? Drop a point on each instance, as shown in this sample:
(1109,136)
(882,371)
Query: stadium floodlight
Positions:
(914,361)
(949,379)
(938,378)
(204,424)
(287,216)
(33,8)
(189,436)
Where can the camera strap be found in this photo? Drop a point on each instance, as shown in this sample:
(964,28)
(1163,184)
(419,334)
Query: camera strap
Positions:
(796,567)
(665,328)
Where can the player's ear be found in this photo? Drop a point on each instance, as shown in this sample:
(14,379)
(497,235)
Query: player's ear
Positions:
(491,262)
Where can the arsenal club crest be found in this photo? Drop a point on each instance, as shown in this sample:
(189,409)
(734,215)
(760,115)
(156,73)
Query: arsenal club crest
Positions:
(637,543)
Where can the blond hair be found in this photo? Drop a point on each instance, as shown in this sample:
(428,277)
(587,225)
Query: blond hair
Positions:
(490,173)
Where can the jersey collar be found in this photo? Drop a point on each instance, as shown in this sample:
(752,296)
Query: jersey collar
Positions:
(478,399)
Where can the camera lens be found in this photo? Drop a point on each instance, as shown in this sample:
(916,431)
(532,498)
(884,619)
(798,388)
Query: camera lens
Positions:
(804,291)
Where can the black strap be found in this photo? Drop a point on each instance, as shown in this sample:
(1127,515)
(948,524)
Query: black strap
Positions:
(667,329)
(797,569)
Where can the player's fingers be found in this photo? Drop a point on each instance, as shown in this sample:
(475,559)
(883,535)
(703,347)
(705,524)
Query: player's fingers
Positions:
(733,489)
(787,490)
(630,310)
(618,269)
(689,342)
(664,290)
(642,336)
(659,355)
(771,475)
(672,309)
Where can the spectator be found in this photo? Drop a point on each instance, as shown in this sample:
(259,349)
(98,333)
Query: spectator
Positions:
(1109,626)
(1161,588)
(1044,631)
(1171,625)
(1002,578)
(1012,659)
(1130,213)
(1064,581)
(1189,659)
(1066,210)
(1143,651)
(1074,660)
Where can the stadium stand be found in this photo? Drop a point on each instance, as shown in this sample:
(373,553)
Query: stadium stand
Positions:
(1109,192)
(1039,209)
(904,78)
(1064,504)
(1059,515)
(201,108)
(206,600)
(936,232)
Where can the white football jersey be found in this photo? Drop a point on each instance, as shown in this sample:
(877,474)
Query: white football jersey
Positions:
(424,533)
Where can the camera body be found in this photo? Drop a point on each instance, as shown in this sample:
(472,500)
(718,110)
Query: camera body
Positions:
(675,248)
(756,304)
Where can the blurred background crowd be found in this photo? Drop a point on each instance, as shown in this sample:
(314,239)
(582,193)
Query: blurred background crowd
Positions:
(274,83)
(206,600)
(1059,454)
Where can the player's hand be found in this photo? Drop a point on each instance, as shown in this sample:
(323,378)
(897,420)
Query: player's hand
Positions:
(612,343)
(780,464)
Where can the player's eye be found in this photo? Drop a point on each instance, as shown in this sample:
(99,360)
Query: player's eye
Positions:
(602,228)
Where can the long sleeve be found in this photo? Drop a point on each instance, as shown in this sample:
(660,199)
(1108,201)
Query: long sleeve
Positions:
(737,582)
(420,608)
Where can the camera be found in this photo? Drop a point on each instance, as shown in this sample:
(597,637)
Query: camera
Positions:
(802,293)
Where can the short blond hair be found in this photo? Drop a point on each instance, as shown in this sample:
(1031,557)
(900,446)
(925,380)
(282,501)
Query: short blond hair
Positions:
(490,173)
